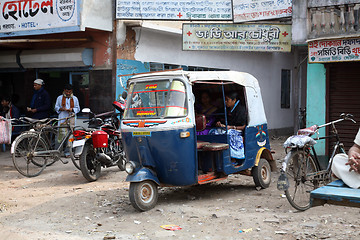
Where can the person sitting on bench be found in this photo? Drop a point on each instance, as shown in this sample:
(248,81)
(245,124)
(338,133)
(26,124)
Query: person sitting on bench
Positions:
(236,117)
(347,167)
(236,114)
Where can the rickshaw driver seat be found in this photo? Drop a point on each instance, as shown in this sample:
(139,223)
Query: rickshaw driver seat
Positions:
(200,121)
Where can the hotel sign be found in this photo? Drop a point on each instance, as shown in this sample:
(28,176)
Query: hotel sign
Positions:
(237,37)
(27,17)
(344,50)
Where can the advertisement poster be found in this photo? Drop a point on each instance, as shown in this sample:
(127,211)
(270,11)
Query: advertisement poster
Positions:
(237,37)
(125,69)
(252,10)
(344,50)
(174,10)
(24,17)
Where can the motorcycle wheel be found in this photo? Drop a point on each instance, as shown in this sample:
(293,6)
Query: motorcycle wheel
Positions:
(121,164)
(143,195)
(74,159)
(89,166)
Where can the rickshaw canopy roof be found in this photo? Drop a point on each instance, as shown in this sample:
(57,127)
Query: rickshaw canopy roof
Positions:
(256,112)
(241,78)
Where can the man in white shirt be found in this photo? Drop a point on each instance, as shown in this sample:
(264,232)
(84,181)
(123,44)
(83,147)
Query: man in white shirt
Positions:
(347,167)
(66,105)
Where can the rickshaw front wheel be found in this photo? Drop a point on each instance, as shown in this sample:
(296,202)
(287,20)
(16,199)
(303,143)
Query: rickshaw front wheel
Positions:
(262,174)
(143,195)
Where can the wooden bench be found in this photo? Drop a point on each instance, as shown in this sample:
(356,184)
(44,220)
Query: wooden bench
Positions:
(207,146)
(336,193)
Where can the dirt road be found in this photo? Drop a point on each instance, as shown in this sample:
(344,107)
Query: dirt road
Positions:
(61,204)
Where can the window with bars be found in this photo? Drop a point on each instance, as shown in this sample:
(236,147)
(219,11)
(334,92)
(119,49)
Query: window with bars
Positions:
(285,88)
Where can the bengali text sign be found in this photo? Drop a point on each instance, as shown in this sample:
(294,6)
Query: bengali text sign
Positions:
(174,10)
(334,50)
(28,15)
(252,10)
(237,37)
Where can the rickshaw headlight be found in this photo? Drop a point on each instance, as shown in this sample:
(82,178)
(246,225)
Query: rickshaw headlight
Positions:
(129,167)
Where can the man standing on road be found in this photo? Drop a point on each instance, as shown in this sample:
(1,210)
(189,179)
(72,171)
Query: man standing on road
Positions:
(40,102)
(347,167)
(66,105)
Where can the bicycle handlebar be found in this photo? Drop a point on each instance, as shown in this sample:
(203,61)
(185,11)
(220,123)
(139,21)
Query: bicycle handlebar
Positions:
(343,117)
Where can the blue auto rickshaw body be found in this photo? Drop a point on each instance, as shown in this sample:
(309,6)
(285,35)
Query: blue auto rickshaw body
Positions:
(159,132)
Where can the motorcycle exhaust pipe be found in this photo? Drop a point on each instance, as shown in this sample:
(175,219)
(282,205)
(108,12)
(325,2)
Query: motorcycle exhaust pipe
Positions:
(102,157)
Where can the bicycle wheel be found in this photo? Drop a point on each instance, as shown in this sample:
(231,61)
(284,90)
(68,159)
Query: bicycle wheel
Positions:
(299,165)
(74,159)
(24,161)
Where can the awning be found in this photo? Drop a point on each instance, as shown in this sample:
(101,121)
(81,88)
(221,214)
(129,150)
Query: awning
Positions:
(57,58)
(8,59)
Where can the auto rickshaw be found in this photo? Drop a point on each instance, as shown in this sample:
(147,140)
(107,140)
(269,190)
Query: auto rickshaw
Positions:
(160,125)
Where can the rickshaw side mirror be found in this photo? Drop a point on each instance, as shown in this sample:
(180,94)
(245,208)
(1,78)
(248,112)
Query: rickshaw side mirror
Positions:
(124,95)
(200,121)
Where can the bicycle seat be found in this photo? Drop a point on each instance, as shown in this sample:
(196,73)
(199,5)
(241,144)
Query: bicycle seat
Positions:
(33,120)
(309,131)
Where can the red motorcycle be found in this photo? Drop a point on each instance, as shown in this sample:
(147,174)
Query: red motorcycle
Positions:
(100,145)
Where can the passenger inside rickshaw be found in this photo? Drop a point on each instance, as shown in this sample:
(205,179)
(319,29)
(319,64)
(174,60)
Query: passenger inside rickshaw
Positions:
(236,121)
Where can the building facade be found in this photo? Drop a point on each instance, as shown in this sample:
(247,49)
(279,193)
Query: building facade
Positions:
(60,42)
(331,32)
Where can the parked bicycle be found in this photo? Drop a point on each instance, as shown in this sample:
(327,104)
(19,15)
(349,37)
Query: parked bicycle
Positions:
(301,173)
(32,151)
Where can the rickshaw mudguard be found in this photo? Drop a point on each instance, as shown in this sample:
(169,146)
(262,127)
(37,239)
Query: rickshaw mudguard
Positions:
(266,153)
(142,175)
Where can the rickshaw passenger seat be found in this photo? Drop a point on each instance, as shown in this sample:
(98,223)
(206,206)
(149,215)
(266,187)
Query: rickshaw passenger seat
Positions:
(215,147)
(200,121)
(201,144)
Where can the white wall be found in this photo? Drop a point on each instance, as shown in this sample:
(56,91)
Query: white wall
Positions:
(163,47)
(97,14)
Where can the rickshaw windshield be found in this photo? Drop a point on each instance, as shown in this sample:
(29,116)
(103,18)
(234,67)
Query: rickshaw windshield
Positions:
(156,99)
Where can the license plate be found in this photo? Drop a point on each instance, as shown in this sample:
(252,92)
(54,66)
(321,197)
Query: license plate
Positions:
(78,143)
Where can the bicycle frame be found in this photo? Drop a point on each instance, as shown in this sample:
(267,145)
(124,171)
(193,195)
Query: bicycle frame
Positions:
(51,152)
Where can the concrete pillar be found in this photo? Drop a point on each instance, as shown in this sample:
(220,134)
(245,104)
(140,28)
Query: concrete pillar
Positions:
(316,100)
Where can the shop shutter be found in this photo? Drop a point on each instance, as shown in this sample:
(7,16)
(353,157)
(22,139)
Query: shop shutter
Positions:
(344,97)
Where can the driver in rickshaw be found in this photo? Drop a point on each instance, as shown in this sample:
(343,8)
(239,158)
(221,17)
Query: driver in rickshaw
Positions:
(236,118)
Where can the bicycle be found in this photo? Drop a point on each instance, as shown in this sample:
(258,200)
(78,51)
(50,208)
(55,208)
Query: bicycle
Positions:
(32,151)
(301,173)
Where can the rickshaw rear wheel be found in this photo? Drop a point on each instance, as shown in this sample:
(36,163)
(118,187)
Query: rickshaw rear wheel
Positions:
(262,174)
(143,195)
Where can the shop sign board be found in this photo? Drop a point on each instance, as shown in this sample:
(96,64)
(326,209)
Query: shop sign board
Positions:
(29,17)
(174,10)
(253,10)
(341,50)
(237,37)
